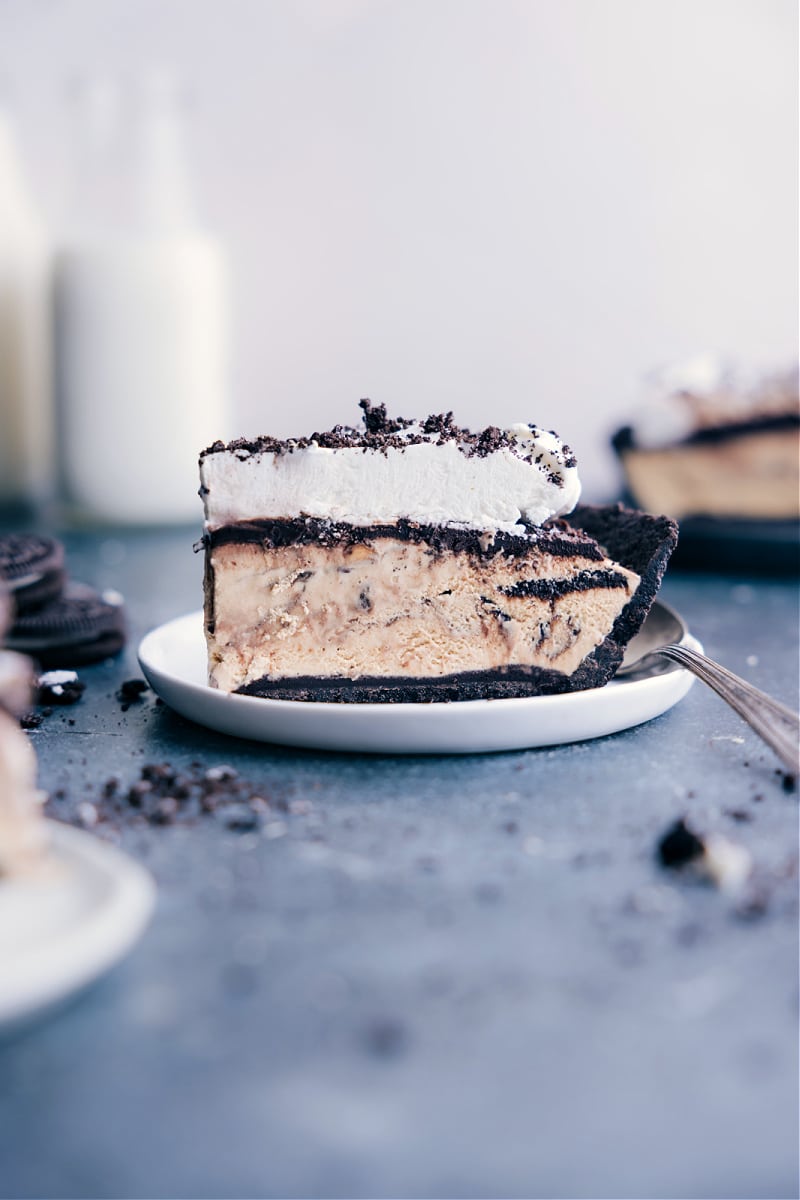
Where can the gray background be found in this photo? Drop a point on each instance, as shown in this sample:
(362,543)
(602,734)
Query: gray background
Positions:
(446,976)
(510,208)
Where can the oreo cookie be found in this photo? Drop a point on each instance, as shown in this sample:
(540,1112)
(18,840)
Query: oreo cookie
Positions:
(81,626)
(32,568)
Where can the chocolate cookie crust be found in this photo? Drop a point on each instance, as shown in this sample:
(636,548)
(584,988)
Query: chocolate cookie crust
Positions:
(639,541)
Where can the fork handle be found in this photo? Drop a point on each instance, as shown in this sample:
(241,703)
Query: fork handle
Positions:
(774,722)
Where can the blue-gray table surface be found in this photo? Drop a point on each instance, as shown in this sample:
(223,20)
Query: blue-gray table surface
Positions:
(460,976)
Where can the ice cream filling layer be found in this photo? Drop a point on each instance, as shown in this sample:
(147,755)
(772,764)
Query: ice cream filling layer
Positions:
(398,609)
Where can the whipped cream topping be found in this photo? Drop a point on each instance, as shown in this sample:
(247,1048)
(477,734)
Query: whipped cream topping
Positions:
(428,472)
(707,393)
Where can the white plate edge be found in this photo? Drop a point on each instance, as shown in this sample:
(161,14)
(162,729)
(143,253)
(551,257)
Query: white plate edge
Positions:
(339,714)
(41,979)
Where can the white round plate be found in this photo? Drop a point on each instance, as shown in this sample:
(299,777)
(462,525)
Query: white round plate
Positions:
(70,923)
(173,659)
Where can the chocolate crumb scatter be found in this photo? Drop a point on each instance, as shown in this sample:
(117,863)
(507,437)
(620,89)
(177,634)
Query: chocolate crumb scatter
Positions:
(679,845)
(59,687)
(131,692)
(166,795)
(712,858)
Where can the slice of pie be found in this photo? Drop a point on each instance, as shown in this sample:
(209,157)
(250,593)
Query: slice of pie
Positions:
(417,561)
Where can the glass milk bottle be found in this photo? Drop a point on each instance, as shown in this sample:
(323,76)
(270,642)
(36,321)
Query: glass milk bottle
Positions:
(26,422)
(141,321)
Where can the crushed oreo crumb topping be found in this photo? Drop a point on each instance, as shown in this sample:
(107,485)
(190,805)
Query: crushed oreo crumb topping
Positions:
(382,433)
(377,422)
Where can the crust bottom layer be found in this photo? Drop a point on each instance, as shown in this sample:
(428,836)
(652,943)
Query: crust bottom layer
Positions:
(505,683)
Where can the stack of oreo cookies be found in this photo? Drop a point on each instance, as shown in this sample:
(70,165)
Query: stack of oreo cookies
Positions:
(56,621)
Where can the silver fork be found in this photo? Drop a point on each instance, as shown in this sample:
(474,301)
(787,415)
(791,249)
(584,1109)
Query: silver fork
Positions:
(774,722)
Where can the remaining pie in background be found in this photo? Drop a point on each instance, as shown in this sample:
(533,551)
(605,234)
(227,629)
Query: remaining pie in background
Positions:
(708,441)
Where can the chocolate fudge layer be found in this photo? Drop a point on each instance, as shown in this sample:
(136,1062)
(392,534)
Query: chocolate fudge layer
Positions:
(385,606)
